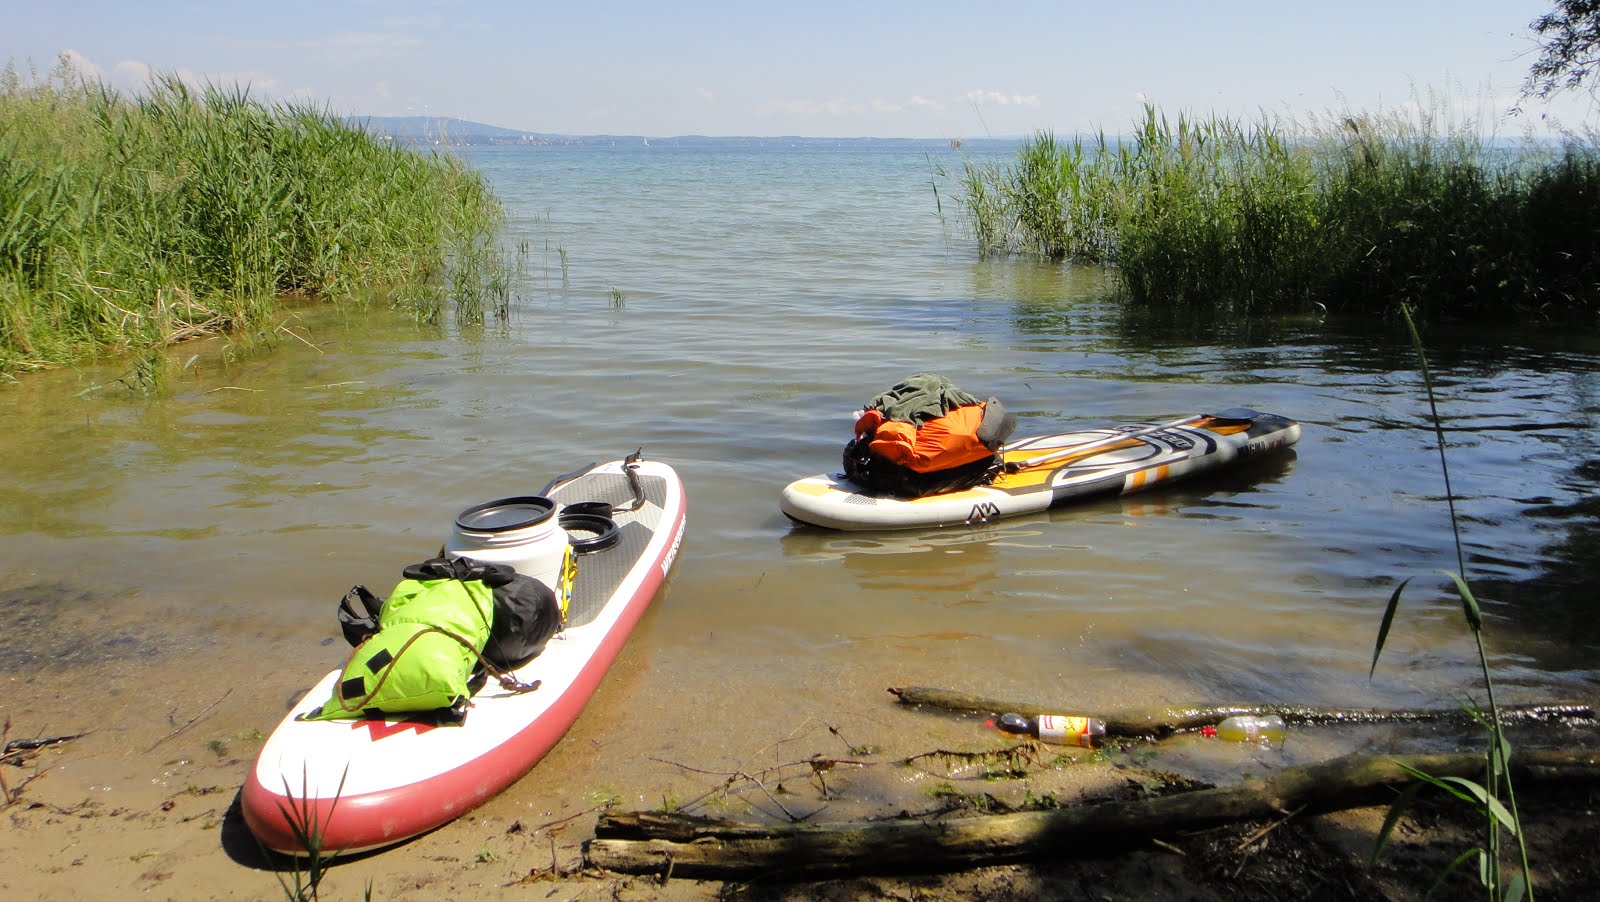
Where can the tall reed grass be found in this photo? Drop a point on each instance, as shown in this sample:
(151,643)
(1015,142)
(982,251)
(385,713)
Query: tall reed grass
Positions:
(1349,214)
(131,221)
(1503,868)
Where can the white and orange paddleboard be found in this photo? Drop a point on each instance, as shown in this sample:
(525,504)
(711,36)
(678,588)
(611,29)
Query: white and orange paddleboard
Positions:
(1053,470)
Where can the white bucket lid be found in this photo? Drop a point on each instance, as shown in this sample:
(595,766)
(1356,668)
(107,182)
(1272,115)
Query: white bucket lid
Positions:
(506,514)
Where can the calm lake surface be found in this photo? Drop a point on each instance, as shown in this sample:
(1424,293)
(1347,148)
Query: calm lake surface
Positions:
(727,310)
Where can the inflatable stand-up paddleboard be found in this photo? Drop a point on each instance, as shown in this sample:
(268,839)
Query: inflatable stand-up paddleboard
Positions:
(371,782)
(1053,470)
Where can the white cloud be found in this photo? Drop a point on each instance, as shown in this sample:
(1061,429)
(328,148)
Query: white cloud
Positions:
(995,97)
(128,75)
(131,73)
(84,66)
(133,76)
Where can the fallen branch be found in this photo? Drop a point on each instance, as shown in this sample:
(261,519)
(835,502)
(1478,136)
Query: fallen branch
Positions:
(28,745)
(15,751)
(690,846)
(1159,722)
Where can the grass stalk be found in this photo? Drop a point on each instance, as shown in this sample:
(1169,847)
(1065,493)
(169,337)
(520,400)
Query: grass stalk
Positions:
(309,831)
(1498,816)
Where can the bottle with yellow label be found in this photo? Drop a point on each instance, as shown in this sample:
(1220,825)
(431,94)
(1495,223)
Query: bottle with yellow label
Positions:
(1085,732)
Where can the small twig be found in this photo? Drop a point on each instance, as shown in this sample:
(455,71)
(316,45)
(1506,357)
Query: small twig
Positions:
(1251,839)
(835,731)
(307,343)
(574,816)
(190,722)
(1168,846)
(786,812)
(213,391)
(728,780)
(732,777)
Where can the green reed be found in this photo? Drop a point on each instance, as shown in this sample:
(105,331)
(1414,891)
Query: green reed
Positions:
(1348,214)
(128,222)
(1495,798)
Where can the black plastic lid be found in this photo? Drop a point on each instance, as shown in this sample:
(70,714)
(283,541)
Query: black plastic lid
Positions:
(506,514)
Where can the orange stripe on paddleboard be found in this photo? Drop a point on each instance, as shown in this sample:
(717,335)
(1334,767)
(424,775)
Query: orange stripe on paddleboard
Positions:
(1141,478)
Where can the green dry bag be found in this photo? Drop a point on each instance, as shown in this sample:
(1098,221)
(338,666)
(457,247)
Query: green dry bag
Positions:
(431,632)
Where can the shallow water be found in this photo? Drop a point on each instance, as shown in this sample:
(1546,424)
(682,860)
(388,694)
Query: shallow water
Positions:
(727,310)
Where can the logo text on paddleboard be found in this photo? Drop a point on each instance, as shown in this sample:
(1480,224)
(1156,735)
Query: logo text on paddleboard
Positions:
(672,554)
(1261,447)
(1177,441)
(982,512)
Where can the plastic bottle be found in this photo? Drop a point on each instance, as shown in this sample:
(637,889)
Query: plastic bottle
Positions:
(1086,732)
(1248,728)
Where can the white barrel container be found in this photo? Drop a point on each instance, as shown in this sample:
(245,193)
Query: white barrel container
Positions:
(523,532)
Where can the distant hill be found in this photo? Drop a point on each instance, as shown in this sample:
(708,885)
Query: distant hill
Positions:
(457,132)
(441,130)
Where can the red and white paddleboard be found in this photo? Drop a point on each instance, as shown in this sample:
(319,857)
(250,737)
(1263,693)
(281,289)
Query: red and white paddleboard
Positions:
(365,783)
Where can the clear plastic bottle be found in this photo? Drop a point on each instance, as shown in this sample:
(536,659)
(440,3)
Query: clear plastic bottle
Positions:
(1085,732)
(1268,728)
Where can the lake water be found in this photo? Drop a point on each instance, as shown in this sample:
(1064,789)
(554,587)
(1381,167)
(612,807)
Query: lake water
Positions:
(726,310)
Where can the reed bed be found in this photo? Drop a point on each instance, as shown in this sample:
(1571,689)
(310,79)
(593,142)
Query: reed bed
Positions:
(1351,214)
(128,222)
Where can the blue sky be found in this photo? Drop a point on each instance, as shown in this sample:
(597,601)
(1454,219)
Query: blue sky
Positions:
(885,69)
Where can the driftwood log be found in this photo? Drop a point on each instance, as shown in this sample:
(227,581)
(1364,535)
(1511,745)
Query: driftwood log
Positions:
(689,846)
(1165,721)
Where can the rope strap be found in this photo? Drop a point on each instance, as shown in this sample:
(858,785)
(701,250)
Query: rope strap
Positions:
(506,680)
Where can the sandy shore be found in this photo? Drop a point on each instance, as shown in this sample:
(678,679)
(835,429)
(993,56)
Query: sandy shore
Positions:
(144,804)
(153,813)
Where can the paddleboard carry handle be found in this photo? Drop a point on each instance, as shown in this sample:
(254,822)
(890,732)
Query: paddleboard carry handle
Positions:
(630,466)
(1232,415)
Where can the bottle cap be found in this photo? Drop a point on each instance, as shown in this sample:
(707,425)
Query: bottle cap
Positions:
(1013,723)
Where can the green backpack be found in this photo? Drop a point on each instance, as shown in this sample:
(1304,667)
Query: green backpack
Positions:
(431,631)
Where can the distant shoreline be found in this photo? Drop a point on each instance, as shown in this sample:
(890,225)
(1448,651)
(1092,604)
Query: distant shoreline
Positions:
(447,132)
(433,130)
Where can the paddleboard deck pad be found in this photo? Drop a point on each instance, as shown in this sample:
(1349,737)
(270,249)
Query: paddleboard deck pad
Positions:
(1046,471)
(364,784)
